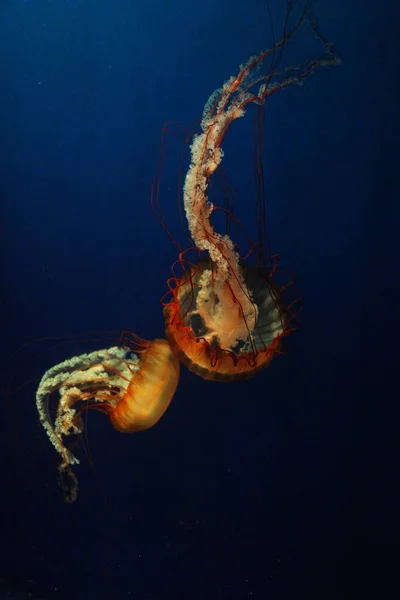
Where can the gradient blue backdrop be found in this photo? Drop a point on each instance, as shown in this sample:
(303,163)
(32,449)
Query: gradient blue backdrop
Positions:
(276,488)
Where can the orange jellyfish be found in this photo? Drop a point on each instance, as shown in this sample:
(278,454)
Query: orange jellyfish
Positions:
(133,388)
(226,313)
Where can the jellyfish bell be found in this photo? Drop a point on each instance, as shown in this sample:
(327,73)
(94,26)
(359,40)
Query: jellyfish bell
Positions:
(222,334)
(133,385)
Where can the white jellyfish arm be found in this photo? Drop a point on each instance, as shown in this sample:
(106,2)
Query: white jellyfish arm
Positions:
(76,380)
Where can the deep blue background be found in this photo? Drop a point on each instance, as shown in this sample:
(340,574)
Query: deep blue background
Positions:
(280,487)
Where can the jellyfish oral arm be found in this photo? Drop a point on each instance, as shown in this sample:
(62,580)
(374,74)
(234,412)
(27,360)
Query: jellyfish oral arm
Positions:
(236,307)
(81,379)
(235,300)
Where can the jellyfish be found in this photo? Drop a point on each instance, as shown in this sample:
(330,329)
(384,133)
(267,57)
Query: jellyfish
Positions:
(134,389)
(227,312)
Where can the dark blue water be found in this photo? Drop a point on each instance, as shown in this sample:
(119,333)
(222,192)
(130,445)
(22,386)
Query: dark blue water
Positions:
(275,488)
